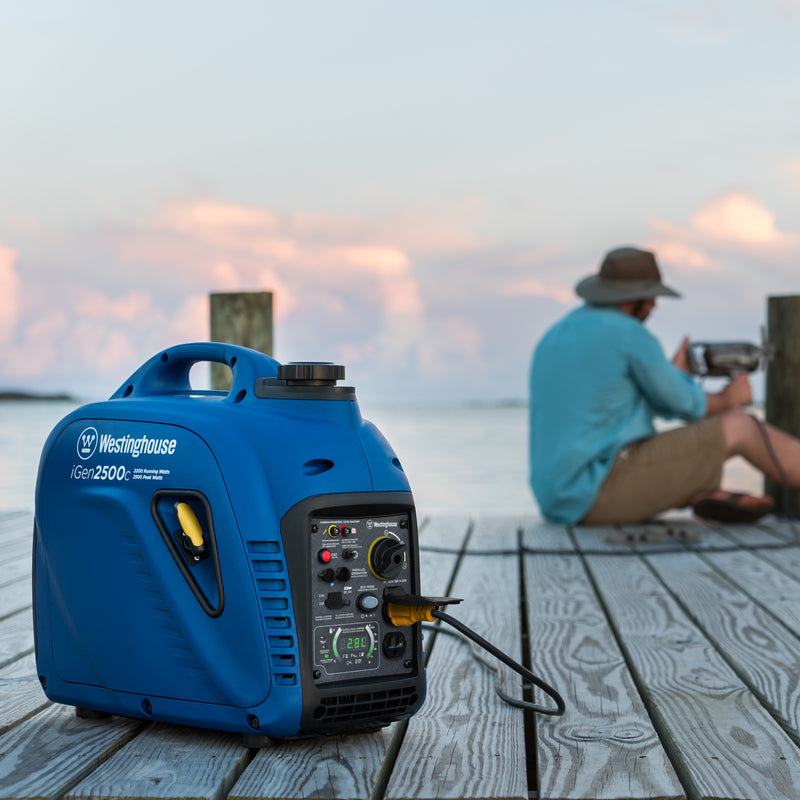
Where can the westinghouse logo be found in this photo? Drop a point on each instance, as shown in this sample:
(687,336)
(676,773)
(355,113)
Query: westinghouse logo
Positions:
(90,441)
(136,445)
(87,443)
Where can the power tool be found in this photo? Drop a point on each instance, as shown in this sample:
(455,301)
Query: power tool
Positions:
(224,559)
(728,359)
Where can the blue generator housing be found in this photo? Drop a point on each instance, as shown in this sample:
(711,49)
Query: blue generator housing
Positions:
(221,559)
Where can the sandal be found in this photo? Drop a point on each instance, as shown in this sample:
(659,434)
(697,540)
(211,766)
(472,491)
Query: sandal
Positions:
(722,506)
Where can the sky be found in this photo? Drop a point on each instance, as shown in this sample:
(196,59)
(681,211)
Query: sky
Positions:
(420,184)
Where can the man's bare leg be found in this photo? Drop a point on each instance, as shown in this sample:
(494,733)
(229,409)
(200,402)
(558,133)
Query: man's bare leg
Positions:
(745,436)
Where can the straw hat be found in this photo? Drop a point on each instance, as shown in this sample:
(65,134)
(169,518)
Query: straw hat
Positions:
(627,273)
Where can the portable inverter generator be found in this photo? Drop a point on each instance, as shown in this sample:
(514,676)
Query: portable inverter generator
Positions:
(222,559)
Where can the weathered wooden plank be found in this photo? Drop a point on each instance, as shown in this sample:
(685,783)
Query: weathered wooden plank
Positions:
(168,761)
(602,539)
(14,597)
(787,529)
(721,740)
(16,636)
(785,559)
(348,767)
(335,768)
(20,692)
(753,535)
(662,535)
(12,522)
(54,750)
(13,549)
(766,581)
(494,534)
(540,535)
(752,641)
(465,742)
(780,403)
(714,536)
(446,532)
(18,569)
(605,745)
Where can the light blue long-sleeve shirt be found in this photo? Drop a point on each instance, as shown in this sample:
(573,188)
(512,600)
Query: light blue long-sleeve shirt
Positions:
(597,381)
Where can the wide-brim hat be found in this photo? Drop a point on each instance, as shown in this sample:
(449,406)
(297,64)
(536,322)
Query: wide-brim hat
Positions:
(627,273)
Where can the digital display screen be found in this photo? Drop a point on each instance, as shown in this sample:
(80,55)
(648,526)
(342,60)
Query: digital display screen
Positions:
(347,648)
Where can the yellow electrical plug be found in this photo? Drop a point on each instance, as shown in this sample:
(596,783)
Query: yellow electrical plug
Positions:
(408,615)
(189,524)
(402,608)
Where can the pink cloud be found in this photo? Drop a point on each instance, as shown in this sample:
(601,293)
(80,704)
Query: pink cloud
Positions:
(9,292)
(407,303)
(317,265)
(683,256)
(734,222)
(306,242)
(133,307)
(738,218)
(39,347)
(531,286)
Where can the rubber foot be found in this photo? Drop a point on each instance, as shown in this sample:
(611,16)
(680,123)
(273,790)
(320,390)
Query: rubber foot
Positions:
(255,741)
(90,713)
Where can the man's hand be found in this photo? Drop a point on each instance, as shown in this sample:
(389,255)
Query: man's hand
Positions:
(739,392)
(736,393)
(681,357)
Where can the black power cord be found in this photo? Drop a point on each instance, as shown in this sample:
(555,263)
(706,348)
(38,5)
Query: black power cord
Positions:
(402,608)
(467,632)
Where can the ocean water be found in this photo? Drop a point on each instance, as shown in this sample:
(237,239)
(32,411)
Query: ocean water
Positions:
(467,460)
(459,460)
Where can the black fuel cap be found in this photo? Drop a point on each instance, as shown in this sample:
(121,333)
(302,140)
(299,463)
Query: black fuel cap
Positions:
(311,373)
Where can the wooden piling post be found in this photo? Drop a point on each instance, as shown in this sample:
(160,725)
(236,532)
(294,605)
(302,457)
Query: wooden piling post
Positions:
(243,318)
(783,384)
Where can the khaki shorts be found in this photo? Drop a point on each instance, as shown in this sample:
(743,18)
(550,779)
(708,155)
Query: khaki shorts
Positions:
(665,471)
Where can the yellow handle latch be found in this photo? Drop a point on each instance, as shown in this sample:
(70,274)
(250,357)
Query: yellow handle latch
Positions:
(189,523)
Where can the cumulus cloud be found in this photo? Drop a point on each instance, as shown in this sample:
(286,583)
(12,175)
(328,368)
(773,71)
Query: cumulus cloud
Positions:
(132,307)
(684,256)
(345,290)
(412,312)
(732,254)
(733,224)
(737,218)
(335,279)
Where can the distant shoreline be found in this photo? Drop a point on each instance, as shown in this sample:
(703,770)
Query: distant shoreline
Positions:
(34,396)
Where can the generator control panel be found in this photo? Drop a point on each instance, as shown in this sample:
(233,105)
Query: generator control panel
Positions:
(353,560)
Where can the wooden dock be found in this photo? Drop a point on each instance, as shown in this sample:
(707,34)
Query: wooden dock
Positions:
(676,647)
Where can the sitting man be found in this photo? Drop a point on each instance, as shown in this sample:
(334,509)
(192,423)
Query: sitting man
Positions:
(597,381)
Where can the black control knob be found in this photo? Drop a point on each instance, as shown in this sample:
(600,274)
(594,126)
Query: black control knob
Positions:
(311,373)
(343,574)
(327,575)
(386,557)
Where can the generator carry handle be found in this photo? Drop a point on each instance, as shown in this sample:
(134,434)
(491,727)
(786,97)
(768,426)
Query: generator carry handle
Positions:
(167,372)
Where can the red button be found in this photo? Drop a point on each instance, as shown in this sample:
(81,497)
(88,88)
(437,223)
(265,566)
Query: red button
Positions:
(324,556)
